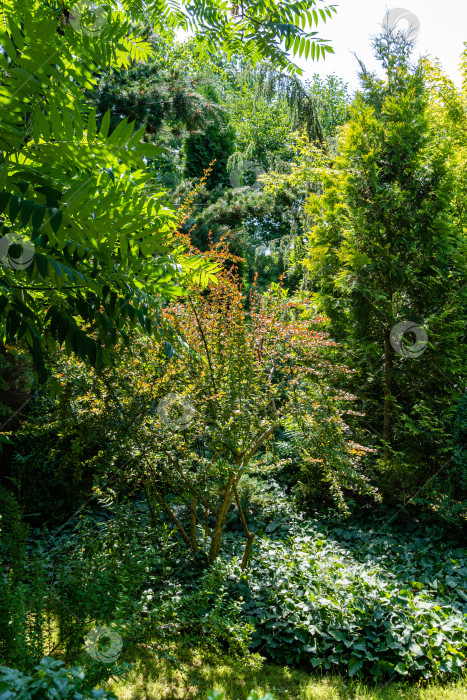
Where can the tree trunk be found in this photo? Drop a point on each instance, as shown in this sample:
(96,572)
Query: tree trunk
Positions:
(247,552)
(153,515)
(194,544)
(250,536)
(173,517)
(242,464)
(387,410)
(222,512)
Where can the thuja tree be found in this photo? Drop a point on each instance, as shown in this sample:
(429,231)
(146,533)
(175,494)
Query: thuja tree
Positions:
(383,250)
(448,107)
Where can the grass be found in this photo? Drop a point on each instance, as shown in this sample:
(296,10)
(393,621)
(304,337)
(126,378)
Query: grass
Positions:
(154,679)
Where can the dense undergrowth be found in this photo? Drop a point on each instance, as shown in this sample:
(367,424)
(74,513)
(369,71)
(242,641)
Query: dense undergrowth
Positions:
(355,597)
(361,598)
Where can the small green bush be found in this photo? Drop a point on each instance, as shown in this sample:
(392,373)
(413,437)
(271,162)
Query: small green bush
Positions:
(50,681)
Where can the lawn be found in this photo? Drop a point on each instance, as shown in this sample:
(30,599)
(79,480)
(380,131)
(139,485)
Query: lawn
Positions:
(153,679)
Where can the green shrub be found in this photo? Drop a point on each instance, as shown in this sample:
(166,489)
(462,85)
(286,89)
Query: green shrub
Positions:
(50,681)
(51,459)
(111,569)
(13,622)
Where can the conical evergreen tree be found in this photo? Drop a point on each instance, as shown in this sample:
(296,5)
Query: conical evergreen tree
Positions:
(383,252)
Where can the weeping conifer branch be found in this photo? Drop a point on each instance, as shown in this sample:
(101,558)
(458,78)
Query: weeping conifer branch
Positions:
(272,84)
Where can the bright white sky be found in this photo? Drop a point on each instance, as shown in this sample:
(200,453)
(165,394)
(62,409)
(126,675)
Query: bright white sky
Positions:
(443,29)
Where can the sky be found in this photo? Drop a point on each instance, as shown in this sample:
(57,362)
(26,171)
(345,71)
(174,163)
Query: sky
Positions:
(442,32)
